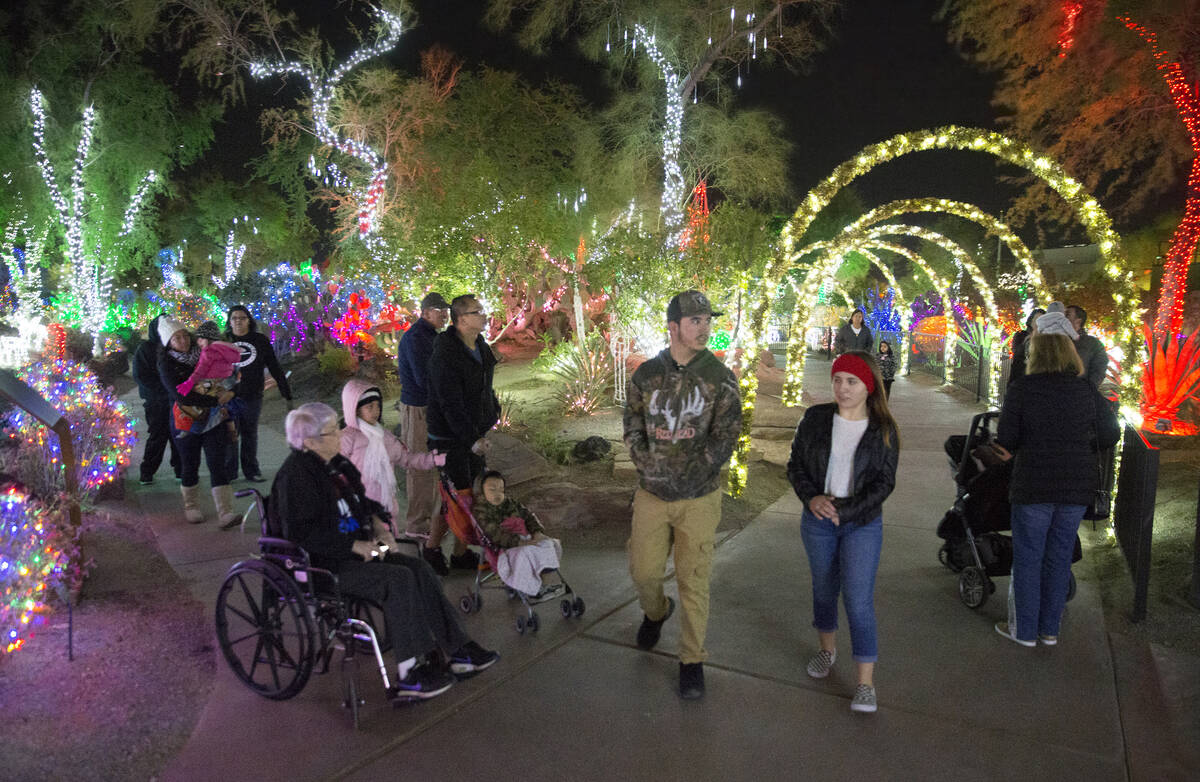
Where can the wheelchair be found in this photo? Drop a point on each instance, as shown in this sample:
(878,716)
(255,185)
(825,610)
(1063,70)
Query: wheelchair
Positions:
(275,626)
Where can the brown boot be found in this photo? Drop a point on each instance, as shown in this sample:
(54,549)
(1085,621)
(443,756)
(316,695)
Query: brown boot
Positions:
(191,504)
(223,498)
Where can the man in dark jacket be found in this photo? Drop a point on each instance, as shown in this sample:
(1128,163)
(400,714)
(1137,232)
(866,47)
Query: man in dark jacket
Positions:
(412,358)
(462,409)
(257,355)
(683,416)
(1020,346)
(1091,350)
(157,404)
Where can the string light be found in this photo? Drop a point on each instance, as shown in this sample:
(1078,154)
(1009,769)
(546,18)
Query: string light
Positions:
(1066,38)
(674,189)
(233,254)
(1095,220)
(1169,318)
(28,563)
(370,197)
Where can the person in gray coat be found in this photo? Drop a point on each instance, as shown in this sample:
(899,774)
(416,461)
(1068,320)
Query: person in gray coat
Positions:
(1091,350)
(854,335)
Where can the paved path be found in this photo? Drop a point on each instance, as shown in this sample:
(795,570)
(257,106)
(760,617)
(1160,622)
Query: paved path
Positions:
(578,701)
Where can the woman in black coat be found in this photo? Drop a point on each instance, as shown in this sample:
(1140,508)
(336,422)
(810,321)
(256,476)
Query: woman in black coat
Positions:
(318,501)
(176,362)
(257,358)
(1055,424)
(853,335)
(843,466)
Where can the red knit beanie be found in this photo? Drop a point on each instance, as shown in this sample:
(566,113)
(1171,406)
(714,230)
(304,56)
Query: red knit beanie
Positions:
(857,366)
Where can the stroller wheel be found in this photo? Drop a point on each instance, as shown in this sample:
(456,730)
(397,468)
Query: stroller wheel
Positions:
(512,594)
(533,623)
(520,625)
(466,604)
(1071,587)
(578,606)
(565,607)
(973,586)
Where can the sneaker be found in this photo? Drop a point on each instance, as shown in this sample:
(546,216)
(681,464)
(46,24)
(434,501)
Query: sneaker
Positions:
(146,480)
(468,560)
(651,629)
(864,699)
(435,559)
(471,658)
(1048,640)
(422,682)
(691,681)
(821,663)
(256,478)
(1002,628)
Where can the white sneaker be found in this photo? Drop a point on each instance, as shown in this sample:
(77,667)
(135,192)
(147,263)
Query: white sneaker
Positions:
(819,666)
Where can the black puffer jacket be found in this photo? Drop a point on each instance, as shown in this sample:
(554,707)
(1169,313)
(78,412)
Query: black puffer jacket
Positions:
(1050,422)
(145,366)
(462,406)
(874,465)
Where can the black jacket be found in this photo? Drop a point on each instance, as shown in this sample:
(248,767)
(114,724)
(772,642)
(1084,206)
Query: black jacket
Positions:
(846,339)
(462,406)
(1020,343)
(1050,423)
(874,465)
(145,366)
(305,507)
(172,372)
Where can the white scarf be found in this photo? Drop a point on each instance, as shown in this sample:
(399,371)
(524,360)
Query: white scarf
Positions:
(377,469)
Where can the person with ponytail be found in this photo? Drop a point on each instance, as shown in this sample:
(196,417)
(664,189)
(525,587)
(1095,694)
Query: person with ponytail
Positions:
(842,467)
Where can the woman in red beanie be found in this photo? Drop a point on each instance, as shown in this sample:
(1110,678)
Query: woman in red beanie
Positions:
(843,467)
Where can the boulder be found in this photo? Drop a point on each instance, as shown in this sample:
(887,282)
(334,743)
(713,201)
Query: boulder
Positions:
(591,449)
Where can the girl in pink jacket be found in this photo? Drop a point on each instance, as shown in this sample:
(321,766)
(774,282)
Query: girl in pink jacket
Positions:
(216,371)
(374,450)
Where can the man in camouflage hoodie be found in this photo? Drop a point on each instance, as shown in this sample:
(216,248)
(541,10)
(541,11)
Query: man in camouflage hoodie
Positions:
(682,420)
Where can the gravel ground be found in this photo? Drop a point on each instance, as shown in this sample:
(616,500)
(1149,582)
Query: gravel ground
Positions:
(142,671)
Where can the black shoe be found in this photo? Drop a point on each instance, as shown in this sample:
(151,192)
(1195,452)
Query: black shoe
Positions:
(422,682)
(470,659)
(435,559)
(691,681)
(146,480)
(468,560)
(256,478)
(651,629)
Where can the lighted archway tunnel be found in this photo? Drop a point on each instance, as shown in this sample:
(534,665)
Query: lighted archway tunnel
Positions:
(1095,220)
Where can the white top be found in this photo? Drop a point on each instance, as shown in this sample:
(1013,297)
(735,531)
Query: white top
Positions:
(840,475)
(856,329)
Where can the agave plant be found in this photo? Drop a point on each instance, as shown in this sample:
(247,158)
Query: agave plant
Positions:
(975,340)
(1172,376)
(586,376)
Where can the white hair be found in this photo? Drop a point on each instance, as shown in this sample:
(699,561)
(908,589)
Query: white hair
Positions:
(306,422)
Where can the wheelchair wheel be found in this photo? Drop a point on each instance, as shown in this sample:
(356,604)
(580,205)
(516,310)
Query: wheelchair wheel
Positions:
(265,629)
(974,587)
(372,613)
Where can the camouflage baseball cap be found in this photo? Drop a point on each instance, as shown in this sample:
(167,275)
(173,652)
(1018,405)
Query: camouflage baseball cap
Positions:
(687,304)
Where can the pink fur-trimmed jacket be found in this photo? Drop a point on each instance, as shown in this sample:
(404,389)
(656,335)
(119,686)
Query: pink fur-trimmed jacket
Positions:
(354,446)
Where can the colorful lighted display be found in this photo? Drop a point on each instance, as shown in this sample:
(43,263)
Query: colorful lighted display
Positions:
(29,563)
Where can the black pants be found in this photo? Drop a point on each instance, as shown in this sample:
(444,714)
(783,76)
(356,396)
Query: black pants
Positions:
(887,389)
(158,438)
(462,464)
(418,615)
(247,427)
(215,445)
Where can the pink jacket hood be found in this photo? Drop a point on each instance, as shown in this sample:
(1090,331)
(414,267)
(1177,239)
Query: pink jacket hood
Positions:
(351,393)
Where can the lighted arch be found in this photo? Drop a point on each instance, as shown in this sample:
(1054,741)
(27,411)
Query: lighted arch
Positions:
(1095,220)
(959,209)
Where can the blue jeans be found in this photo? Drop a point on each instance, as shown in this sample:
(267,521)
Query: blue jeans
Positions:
(844,558)
(1043,542)
(247,426)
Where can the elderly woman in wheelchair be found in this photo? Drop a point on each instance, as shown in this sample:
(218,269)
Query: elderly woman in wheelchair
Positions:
(317,504)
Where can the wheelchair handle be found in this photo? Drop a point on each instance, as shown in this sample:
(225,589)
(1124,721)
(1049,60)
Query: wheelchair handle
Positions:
(247,493)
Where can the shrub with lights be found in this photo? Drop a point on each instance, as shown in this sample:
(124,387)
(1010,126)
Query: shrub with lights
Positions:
(30,564)
(101,428)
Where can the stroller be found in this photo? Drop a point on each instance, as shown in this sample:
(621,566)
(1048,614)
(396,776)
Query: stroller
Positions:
(974,546)
(463,524)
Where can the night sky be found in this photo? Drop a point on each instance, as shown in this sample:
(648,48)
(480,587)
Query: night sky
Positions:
(888,69)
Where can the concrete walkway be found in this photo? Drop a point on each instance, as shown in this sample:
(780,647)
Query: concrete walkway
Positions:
(578,701)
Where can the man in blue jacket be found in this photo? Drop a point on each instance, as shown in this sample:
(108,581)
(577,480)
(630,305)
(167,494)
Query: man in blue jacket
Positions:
(416,347)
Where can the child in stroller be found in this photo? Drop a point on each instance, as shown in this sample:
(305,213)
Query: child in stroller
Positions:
(974,546)
(515,548)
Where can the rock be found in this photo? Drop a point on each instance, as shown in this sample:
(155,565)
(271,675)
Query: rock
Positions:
(518,462)
(565,505)
(624,469)
(591,449)
(772,433)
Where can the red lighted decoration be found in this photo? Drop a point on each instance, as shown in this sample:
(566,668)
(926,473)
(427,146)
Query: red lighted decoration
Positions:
(1066,38)
(56,343)
(354,326)
(1169,319)
(697,212)
(1172,376)
(929,333)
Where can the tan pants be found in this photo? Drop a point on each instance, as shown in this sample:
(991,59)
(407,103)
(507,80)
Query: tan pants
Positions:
(421,486)
(694,525)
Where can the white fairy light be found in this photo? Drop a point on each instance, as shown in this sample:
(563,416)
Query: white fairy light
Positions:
(674,189)
(233,255)
(370,198)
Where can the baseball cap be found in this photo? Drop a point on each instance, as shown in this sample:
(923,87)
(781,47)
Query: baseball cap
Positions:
(687,304)
(434,300)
